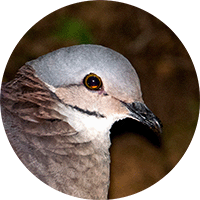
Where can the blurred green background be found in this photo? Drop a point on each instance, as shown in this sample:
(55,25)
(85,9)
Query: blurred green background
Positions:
(168,81)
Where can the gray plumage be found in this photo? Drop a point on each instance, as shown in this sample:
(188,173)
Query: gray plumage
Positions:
(59,128)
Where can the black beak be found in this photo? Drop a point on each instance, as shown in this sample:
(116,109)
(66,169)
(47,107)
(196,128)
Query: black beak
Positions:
(140,112)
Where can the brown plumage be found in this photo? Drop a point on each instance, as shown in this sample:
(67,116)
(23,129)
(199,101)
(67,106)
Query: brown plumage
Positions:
(59,128)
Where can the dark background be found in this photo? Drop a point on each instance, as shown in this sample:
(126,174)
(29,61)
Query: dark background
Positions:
(168,81)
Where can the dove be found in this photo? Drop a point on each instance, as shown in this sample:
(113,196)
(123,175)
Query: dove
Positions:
(58,111)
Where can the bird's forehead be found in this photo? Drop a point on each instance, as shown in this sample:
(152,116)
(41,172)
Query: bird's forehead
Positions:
(70,65)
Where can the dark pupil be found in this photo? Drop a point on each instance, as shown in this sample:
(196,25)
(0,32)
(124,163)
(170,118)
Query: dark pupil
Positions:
(93,82)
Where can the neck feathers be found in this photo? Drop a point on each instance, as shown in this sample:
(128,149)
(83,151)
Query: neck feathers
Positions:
(57,150)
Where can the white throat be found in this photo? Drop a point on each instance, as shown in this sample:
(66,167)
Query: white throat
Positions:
(89,127)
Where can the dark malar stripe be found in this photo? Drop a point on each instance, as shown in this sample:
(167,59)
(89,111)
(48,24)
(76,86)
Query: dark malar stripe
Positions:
(93,113)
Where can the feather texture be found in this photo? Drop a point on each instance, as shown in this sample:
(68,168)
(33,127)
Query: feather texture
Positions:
(43,140)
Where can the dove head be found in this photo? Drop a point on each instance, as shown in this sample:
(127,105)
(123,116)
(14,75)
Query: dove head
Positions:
(98,85)
(69,66)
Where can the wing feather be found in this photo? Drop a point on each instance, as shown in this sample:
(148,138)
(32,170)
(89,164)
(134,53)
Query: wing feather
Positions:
(28,98)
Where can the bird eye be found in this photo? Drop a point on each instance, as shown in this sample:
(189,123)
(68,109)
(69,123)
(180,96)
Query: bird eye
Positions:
(92,81)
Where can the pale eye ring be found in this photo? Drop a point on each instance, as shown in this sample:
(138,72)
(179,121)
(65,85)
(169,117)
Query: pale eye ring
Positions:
(92,81)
